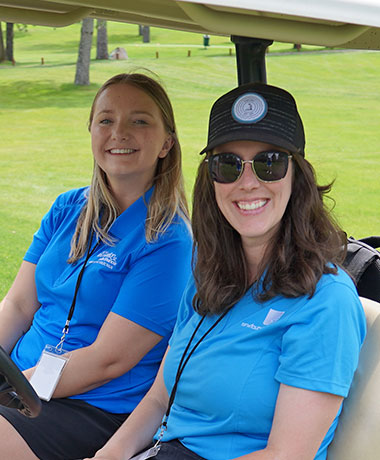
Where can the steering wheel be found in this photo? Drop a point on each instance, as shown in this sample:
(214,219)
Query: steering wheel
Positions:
(15,390)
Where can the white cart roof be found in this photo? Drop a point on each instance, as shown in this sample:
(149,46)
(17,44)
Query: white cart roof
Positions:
(344,23)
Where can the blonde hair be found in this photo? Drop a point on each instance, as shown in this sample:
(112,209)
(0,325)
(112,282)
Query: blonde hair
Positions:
(168,198)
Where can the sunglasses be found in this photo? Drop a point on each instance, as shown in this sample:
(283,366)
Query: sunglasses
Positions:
(270,166)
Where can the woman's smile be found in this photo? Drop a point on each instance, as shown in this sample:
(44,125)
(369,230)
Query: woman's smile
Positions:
(254,205)
(121,151)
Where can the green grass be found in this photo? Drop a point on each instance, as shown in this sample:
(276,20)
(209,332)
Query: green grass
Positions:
(44,142)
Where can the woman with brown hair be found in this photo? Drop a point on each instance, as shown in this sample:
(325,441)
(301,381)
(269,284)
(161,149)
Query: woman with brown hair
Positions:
(92,308)
(269,330)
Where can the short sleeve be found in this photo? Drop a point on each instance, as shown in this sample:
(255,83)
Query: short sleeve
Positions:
(43,235)
(50,222)
(153,287)
(320,349)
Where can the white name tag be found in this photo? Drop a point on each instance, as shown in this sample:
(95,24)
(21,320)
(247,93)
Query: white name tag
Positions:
(152,452)
(48,372)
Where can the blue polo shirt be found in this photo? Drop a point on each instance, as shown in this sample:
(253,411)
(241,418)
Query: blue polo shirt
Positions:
(227,393)
(140,281)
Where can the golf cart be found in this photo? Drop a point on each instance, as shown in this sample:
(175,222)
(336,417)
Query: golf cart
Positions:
(252,25)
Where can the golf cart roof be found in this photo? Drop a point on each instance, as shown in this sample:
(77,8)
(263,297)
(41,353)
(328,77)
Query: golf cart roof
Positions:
(333,23)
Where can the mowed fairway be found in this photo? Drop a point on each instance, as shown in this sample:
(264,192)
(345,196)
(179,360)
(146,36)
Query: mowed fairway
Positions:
(45,144)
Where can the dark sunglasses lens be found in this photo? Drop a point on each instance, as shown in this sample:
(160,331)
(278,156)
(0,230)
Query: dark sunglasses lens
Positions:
(225,167)
(271,166)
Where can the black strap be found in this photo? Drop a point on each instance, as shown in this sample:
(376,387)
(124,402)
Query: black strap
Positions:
(79,279)
(184,360)
(360,255)
(373,241)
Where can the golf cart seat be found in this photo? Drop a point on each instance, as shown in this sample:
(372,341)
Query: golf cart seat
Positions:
(358,431)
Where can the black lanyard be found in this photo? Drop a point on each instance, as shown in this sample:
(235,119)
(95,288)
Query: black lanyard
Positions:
(89,253)
(181,366)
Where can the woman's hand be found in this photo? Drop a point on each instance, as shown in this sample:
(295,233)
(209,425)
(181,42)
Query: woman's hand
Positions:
(100,456)
(29,372)
(103,457)
(107,454)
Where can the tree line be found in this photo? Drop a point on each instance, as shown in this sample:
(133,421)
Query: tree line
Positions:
(82,73)
(84,51)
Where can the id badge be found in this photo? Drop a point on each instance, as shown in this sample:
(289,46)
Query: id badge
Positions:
(152,452)
(48,371)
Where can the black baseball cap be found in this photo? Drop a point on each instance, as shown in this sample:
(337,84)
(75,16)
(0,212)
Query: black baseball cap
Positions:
(256,112)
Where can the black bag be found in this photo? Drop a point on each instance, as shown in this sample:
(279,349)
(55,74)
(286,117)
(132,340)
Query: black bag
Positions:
(363,264)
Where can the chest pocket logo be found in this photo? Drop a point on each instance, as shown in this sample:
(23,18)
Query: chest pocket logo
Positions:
(106,258)
(272,316)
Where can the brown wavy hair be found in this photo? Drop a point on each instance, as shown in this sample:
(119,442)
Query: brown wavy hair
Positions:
(308,244)
(168,197)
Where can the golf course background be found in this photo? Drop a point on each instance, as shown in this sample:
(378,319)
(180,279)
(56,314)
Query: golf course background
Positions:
(45,144)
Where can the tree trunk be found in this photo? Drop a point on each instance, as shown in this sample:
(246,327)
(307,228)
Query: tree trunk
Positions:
(101,40)
(146,34)
(9,39)
(2,49)
(82,74)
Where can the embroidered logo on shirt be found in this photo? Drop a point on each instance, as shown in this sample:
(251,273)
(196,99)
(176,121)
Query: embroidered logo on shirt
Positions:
(106,258)
(272,316)
(251,326)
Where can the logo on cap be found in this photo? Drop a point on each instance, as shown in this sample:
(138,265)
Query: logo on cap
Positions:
(249,108)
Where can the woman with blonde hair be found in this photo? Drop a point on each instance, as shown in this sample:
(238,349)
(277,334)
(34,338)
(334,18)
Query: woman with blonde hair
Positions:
(91,310)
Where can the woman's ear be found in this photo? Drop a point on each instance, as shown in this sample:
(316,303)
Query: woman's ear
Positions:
(168,144)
